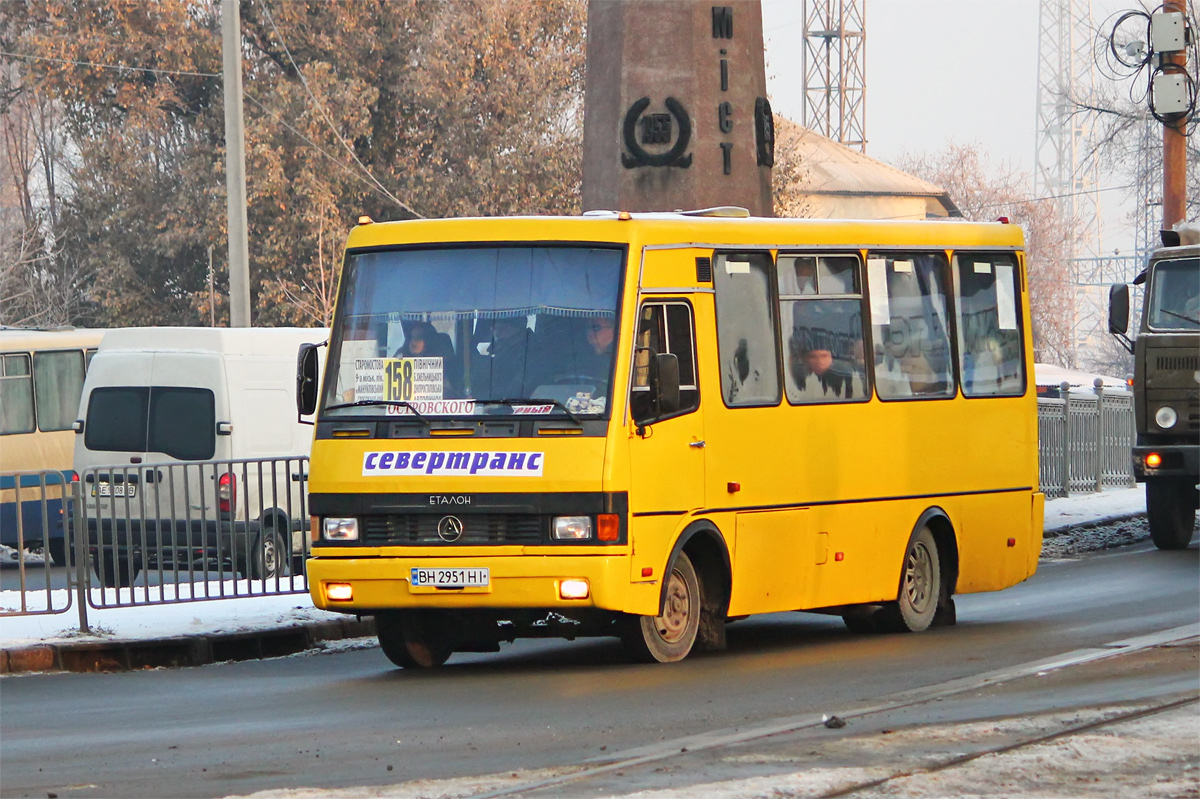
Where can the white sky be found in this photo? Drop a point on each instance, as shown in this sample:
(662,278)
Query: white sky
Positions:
(937,70)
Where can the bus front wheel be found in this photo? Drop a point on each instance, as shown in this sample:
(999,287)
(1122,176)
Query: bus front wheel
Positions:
(920,587)
(669,637)
(411,640)
(1171,513)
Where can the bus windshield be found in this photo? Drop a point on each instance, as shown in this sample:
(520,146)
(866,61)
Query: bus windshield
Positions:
(459,331)
(1175,295)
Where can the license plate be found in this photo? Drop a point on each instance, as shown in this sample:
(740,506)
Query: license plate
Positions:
(118,490)
(450,578)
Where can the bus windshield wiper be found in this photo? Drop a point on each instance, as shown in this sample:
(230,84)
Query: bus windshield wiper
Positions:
(394,403)
(514,401)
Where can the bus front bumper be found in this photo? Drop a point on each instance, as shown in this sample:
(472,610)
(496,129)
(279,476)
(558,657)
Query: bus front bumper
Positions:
(381,583)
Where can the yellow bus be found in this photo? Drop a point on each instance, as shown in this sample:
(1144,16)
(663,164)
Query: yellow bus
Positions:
(41,379)
(648,425)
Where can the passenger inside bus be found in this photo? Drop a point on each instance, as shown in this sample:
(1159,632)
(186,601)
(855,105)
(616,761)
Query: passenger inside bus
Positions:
(826,358)
(499,371)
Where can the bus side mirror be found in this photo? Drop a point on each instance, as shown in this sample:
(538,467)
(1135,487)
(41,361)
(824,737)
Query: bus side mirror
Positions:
(660,395)
(666,387)
(306,380)
(1118,309)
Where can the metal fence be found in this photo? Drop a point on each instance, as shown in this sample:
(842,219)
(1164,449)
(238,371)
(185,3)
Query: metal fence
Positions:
(33,515)
(1085,440)
(153,534)
(166,533)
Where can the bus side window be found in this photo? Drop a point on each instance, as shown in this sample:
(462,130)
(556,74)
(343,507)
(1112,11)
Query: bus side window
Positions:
(746,343)
(910,325)
(57,384)
(989,334)
(820,307)
(16,394)
(665,327)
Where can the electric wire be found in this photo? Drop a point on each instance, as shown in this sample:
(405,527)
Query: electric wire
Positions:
(317,148)
(116,67)
(363,175)
(325,116)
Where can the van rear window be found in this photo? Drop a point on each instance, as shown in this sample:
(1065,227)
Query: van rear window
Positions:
(179,422)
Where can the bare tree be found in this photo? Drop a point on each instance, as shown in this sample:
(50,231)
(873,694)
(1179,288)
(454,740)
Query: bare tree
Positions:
(984,193)
(36,288)
(788,177)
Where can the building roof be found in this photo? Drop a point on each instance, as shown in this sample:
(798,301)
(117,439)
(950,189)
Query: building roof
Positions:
(831,168)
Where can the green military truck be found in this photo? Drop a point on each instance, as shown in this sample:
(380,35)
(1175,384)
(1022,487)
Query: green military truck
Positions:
(1166,385)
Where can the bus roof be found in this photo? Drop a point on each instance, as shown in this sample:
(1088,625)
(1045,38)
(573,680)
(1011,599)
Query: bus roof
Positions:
(681,228)
(32,339)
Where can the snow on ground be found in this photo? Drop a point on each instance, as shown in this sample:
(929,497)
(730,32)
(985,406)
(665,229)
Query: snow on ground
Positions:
(272,612)
(1148,758)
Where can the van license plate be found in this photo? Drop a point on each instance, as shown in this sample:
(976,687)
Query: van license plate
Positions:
(451,578)
(118,490)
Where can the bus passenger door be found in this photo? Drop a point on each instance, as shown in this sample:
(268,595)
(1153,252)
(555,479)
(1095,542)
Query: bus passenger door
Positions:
(666,444)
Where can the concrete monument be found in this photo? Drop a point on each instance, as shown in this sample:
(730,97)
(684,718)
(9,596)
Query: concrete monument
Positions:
(675,108)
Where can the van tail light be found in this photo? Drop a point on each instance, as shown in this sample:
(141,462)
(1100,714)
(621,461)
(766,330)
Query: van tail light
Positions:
(227,493)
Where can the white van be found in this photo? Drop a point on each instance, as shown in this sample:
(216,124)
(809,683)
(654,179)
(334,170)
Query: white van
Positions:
(189,449)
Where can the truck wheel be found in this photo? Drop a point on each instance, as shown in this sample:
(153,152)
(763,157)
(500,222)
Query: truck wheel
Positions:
(269,558)
(669,637)
(920,587)
(1171,513)
(411,640)
(115,571)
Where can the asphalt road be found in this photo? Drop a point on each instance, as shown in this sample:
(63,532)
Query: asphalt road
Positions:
(342,719)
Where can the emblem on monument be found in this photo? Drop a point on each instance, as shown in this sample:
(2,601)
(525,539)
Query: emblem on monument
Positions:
(641,129)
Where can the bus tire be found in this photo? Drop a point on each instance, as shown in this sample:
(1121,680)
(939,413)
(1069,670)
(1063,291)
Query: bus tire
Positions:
(115,571)
(669,637)
(920,587)
(1171,513)
(408,640)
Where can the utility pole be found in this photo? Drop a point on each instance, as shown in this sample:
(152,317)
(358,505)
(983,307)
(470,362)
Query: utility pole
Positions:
(235,166)
(1174,139)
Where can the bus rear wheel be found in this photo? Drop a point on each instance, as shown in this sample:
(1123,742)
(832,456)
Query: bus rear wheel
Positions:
(411,640)
(920,587)
(1171,513)
(670,636)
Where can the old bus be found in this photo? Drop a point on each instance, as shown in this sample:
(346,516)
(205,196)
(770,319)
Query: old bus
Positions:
(41,377)
(646,425)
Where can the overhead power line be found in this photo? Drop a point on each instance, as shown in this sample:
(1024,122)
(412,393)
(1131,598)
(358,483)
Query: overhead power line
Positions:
(362,172)
(117,67)
(321,109)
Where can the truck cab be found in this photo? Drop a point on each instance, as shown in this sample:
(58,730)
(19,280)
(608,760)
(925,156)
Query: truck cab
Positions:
(1166,388)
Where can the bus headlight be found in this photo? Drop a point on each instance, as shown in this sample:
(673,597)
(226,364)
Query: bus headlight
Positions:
(341,529)
(572,528)
(1165,417)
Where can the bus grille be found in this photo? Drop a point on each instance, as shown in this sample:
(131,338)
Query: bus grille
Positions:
(478,528)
